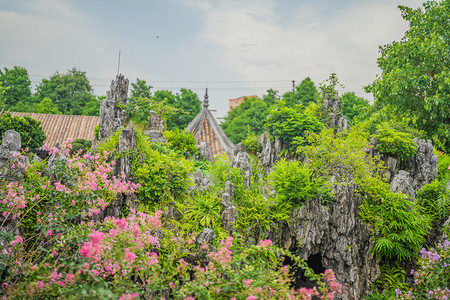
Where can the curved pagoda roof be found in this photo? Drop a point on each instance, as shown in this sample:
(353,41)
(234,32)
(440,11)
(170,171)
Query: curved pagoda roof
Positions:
(205,128)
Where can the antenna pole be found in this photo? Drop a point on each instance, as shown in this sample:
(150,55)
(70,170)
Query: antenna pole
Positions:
(118,64)
(293,85)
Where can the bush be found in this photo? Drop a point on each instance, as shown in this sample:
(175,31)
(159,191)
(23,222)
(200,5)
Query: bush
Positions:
(289,124)
(78,144)
(251,143)
(394,142)
(434,200)
(292,182)
(443,165)
(31,133)
(182,142)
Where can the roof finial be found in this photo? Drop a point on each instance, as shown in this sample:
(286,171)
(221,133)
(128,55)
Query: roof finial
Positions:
(205,101)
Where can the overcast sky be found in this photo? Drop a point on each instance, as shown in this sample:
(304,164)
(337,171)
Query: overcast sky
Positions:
(233,47)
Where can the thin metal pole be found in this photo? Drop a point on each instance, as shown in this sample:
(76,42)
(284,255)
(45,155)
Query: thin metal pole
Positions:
(118,64)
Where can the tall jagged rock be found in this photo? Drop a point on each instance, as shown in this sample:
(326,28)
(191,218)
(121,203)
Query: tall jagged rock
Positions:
(127,143)
(241,161)
(269,153)
(113,108)
(335,233)
(402,184)
(229,213)
(12,164)
(423,166)
(156,128)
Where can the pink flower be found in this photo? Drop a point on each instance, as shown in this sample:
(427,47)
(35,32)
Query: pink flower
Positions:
(49,233)
(121,223)
(130,255)
(86,266)
(265,244)
(113,233)
(40,285)
(130,296)
(251,297)
(97,237)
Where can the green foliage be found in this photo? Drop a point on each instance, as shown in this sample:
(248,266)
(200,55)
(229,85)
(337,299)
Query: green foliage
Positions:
(162,176)
(353,106)
(31,133)
(397,225)
(392,276)
(443,165)
(202,211)
(249,114)
(396,143)
(251,143)
(80,144)
(18,85)
(340,155)
(46,106)
(96,131)
(307,91)
(92,108)
(292,182)
(182,142)
(434,200)
(70,92)
(188,105)
(289,124)
(271,97)
(415,74)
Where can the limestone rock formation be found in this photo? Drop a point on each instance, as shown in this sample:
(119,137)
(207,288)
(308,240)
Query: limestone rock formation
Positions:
(337,236)
(401,183)
(423,166)
(241,161)
(269,153)
(12,164)
(229,213)
(127,142)
(156,128)
(206,236)
(113,108)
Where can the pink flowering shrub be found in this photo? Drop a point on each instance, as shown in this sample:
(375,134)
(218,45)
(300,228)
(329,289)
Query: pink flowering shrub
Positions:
(249,273)
(432,279)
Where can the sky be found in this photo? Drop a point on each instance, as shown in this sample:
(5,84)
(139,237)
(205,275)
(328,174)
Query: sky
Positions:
(232,47)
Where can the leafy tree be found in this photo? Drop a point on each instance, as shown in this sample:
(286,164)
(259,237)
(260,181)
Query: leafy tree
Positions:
(71,91)
(46,106)
(31,133)
(415,74)
(140,89)
(92,107)
(249,114)
(307,91)
(19,86)
(2,94)
(189,105)
(291,125)
(304,93)
(272,97)
(353,105)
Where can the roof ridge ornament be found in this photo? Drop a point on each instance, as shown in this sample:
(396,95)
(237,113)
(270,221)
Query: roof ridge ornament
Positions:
(205,101)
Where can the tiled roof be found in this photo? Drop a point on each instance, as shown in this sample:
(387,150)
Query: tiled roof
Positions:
(59,128)
(205,128)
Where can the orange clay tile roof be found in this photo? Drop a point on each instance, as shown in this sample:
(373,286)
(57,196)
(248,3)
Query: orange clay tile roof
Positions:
(205,128)
(59,128)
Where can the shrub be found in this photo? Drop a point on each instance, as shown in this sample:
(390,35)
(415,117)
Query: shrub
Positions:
(287,123)
(31,133)
(251,143)
(434,200)
(78,144)
(182,142)
(292,182)
(394,142)
(443,165)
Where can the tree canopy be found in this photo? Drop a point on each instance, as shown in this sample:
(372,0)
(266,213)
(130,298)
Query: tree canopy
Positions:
(18,85)
(353,105)
(249,114)
(70,92)
(415,72)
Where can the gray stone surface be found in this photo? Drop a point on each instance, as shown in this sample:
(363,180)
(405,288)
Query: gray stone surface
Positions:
(206,236)
(269,153)
(336,232)
(229,213)
(402,184)
(423,166)
(156,128)
(113,108)
(127,143)
(241,161)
